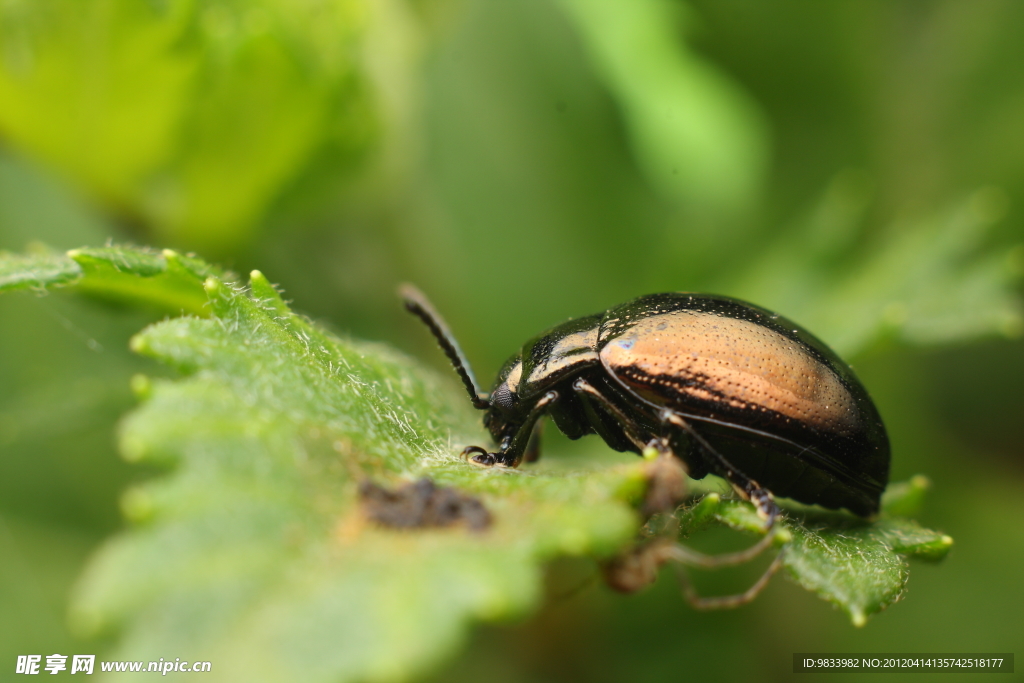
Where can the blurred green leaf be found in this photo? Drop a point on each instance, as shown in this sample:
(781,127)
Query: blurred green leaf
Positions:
(36,271)
(933,280)
(97,88)
(38,569)
(191,116)
(256,550)
(694,131)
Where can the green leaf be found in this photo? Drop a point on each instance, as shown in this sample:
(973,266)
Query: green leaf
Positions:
(165,280)
(258,540)
(40,562)
(694,131)
(173,282)
(191,117)
(257,550)
(937,279)
(96,88)
(859,566)
(36,271)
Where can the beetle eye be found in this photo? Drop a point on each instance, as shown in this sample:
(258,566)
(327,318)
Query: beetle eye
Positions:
(503,398)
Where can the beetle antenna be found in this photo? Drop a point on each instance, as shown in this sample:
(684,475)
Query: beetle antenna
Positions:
(418,304)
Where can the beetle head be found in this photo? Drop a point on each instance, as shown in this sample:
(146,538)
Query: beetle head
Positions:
(504,414)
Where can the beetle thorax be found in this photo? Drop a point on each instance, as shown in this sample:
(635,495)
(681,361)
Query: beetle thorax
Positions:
(560,352)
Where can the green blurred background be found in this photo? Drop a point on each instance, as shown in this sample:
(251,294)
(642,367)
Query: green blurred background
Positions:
(857,166)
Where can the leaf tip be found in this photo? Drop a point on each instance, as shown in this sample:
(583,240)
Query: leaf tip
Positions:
(905,499)
(858,618)
(133,449)
(212,285)
(138,344)
(702,511)
(136,505)
(173,260)
(141,385)
(708,505)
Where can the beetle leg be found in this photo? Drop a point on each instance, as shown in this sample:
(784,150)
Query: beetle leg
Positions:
(724,601)
(512,448)
(743,485)
(512,454)
(639,568)
(666,474)
(692,558)
(532,453)
(633,571)
(478,456)
(589,394)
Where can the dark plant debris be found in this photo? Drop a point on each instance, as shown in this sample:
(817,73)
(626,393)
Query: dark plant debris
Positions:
(422,504)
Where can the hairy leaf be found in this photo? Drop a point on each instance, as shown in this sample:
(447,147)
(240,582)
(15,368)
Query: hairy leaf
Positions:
(857,565)
(36,271)
(166,280)
(289,538)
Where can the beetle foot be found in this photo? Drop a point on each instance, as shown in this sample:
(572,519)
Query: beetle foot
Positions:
(766,507)
(480,456)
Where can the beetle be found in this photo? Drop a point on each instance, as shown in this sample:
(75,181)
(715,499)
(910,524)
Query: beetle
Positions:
(729,388)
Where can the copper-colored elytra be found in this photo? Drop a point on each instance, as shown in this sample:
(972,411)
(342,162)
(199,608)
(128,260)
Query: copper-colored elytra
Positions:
(710,357)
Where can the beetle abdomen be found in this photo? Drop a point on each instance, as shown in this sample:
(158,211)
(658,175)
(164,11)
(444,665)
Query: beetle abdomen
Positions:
(755,384)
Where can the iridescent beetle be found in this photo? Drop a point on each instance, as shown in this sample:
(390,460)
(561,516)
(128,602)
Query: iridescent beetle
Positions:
(729,388)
